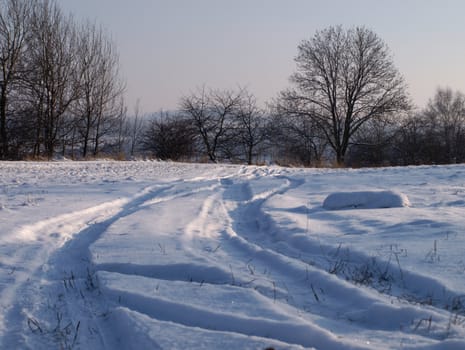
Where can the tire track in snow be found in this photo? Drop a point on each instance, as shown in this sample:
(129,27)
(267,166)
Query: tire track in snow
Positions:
(201,228)
(69,269)
(236,251)
(202,274)
(290,330)
(58,245)
(213,274)
(39,239)
(253,234)
(245,236)
(37,242)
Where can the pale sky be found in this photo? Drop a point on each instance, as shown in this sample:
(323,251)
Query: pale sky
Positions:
(168,48)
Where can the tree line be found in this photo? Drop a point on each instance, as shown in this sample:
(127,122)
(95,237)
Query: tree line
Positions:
(60,86)
(61,93)
(347,105)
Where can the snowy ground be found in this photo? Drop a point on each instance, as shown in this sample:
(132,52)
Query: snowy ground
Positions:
(149,255)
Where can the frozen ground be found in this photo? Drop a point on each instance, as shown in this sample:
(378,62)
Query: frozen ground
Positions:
(150,255)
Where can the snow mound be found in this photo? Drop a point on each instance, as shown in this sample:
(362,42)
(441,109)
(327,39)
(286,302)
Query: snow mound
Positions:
(365,200)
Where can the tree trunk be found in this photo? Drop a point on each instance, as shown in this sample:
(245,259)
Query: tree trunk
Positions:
(97,136)
(3,132)
(340,157)
(86,138)
(250,155)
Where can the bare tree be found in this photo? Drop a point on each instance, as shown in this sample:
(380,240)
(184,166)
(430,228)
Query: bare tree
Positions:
(445,113)
(296,136)
(345,78)
(374,143)
(436,134)
(250,120)
(59,83)
(111,89)
(212,114)
(100,87)
(122,130)
(14,22)
(169,137)
(90,45)
(413,141)
(136,126)
(53,77)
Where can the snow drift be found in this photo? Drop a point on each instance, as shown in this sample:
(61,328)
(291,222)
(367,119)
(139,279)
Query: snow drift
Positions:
(365,200)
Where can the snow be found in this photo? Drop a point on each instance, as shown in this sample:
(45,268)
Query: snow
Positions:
(160,255)
(365,200)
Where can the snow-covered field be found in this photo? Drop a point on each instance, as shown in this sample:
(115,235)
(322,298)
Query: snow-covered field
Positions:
(151,255)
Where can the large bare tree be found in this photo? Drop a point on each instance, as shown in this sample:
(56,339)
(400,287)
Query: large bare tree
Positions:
(59,83)
(100,87)
(343,79)
(14,22)
(54,75)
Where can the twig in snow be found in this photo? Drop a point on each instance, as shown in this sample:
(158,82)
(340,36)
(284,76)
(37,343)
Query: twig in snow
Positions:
(34,325)
(162,248)
(428,321)
(233,280)
(433,255)
(314,293)
(274,291)
(76,333)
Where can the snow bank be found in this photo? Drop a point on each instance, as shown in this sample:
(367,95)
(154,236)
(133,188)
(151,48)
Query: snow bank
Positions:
(365,200)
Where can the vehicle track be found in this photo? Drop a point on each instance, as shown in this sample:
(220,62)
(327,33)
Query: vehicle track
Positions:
(57,251)
(233,204)
(254,233)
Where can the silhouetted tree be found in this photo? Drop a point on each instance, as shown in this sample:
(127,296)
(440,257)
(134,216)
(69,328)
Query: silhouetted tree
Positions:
(344,78)
(445,114)
(14,29)
(169,137)
(100,86)
(374,143)
(53,77)
(251,125)
(212,113)
(59,83)
(414,142)
(296,137)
